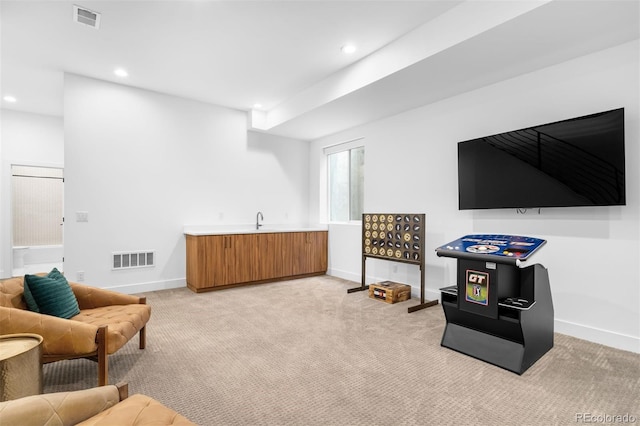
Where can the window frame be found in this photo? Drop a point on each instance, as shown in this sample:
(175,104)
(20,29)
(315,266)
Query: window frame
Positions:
(335,149)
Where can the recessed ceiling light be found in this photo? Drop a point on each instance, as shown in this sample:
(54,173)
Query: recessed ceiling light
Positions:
(10,98)
(121,72)
(257,106)
(348,48)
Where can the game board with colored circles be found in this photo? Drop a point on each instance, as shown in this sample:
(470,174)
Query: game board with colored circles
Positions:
(394,236)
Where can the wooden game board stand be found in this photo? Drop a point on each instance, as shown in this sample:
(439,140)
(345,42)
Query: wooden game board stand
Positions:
(420,262)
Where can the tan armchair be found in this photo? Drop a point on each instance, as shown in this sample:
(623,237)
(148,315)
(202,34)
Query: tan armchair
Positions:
(101,406)
(107,320)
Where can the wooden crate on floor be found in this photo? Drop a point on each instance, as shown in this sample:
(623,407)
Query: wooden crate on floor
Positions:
(390,292)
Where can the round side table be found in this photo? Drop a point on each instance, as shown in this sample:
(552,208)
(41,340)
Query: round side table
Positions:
(20,365)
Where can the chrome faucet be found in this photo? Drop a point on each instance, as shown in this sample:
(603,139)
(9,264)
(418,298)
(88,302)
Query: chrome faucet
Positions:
(258,217)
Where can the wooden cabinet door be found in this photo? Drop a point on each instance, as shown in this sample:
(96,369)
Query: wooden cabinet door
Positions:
(269,259)
(287,252)
(317,251)
(216,273)
(298,253)
(308,252)
(205,261)
(196,262)
(240,258)
(217,260)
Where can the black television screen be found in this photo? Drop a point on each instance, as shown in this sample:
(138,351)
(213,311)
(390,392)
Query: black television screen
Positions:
(575,162)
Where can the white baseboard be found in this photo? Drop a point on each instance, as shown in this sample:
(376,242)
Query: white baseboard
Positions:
(149,286)
(345,275)
(592,334)
(597,335)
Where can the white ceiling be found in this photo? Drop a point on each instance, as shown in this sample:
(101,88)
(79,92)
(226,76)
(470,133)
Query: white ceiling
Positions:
(286,54)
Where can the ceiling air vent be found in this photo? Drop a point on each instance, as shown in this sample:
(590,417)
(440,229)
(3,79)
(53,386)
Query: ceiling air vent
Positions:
(86,17)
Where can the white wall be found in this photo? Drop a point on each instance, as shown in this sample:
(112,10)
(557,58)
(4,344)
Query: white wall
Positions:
(411,166)
(31,139)
(144,164)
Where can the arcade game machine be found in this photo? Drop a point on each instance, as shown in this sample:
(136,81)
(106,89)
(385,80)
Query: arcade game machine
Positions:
(498,312)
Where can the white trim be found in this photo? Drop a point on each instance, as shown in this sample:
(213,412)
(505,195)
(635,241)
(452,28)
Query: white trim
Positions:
(137,288)
(331,150)
(350,222)
(598,335)
(343,146)
(345,275)
(592,334)
(25,163)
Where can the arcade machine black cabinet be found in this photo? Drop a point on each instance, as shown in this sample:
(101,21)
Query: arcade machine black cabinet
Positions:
(498,312)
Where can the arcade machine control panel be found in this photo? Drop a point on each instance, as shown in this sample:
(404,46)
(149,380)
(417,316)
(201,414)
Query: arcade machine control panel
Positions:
(511,249)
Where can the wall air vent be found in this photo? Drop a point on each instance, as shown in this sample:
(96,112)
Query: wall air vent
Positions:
(87,17)
(133,259)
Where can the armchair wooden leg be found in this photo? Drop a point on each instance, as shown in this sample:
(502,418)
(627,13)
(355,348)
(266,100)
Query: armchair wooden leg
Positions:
(143,337)
(123,390)
(143,330)
(103,362)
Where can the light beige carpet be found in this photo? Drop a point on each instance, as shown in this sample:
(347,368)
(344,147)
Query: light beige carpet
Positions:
(305,352)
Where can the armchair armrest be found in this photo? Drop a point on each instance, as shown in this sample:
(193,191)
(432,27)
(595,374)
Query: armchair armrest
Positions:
(61,336)
(94,297)
(65,408)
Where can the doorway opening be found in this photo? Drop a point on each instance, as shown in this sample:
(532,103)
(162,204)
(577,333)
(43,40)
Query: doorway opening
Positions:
(37,203)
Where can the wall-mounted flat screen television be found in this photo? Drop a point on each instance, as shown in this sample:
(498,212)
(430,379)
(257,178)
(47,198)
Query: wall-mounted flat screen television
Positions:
(574,162)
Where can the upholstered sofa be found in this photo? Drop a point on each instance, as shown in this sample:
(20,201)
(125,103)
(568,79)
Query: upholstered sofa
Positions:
(105,322)
(102,406)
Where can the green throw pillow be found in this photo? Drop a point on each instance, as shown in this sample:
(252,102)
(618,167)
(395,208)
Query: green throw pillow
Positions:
(53,294)
(56,274)
(28,298)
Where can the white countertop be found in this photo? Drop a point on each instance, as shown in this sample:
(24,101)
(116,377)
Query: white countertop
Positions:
(249,229)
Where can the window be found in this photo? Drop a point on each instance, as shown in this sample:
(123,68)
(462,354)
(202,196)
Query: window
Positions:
(346,184)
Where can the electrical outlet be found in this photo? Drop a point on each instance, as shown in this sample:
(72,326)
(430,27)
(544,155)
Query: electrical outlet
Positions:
(82,216)
(80,276)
